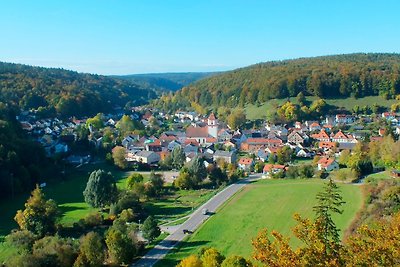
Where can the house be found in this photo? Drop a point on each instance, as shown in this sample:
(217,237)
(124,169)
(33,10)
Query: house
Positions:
(254,144)
(304,153)
(263,155)
(224,135)
(148,157)
(327,145)
(173,144)
(129,140)
(340,137)
(153,144)
(191,148)
(273,168)
(388,115)
(227,156)
(297,137)
(344,119)
(314,127)
(327,164)
(321,136)
(246,164)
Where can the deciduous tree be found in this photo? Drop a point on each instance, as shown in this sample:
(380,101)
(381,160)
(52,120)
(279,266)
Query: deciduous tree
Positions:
(101,189)
(39,215)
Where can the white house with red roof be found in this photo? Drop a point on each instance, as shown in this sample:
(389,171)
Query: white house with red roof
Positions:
(245,164)
(341,137)
(327,164)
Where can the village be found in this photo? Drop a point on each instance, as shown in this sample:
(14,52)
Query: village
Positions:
(273,147)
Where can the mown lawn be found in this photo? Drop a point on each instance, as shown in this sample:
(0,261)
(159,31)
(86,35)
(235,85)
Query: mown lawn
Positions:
(254,112)
(266,204)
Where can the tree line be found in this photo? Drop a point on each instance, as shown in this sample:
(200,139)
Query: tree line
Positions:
(355,75)
(66,93)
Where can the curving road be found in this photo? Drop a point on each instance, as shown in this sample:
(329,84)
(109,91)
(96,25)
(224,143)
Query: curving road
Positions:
(192,224)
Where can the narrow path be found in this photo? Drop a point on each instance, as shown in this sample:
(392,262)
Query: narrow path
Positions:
(192,224)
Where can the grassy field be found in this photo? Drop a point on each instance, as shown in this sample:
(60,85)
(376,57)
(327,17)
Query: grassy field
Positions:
(254,112)
(266,204)
(69,197)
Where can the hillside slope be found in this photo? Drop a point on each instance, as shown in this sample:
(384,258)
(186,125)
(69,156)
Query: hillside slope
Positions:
(167,81)
(64,92)
(336,76)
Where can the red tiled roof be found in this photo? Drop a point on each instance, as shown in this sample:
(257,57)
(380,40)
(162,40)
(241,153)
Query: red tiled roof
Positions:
(326,144)
(269,167)
(246,161)
(321,135)
(325,162)
(201,132)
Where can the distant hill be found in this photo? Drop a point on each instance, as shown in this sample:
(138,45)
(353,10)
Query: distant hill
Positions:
(66,93)
(167,81)
(335,76)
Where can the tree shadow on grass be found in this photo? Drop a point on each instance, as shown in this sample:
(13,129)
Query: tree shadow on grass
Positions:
(65,209)
(166,210)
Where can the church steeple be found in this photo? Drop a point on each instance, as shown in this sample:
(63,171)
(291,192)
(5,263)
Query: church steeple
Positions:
(212,123)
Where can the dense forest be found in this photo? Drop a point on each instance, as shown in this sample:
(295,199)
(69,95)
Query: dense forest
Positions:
(20,157)
(352,75)
(167,81)
(66,93)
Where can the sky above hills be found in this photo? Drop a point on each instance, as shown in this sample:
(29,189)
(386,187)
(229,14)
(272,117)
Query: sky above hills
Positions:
(124,37)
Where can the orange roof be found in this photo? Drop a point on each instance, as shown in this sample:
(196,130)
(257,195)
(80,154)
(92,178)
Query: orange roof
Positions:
(246,161)
(192,142)
(326,144)
(321,135)
(269,167)
(341,135)
(325,162)
(314,124)
(211,140)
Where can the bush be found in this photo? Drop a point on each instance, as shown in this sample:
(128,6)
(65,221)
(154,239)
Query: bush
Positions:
(94,219)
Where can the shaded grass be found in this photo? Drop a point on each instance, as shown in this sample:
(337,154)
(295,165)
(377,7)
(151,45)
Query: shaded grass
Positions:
(265,204)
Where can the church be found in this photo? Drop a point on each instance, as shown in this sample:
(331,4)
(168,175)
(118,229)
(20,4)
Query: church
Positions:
(204,135)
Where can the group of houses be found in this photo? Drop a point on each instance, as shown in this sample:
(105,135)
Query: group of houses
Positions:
(215,141)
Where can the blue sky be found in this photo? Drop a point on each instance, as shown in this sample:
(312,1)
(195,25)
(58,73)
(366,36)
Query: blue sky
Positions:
(132,36)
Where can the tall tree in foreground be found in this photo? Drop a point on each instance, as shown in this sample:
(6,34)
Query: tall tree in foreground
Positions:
(39,216)
(100,189)
(320,237)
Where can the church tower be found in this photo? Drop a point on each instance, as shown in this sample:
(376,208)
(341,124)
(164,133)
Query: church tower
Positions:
(212,123)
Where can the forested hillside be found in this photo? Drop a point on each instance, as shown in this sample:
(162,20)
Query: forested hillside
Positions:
(338,76)
(22,161)
(66,93)
(167,81)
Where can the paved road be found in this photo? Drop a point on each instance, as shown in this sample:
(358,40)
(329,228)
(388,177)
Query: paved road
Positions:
(194,221)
